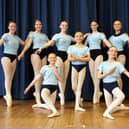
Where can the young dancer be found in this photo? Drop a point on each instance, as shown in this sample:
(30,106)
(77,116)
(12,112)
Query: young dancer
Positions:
(50,75)
(94,40)
(38,56)
(119,39)
(78,54)
(62,41)
(11,44)
(109,71)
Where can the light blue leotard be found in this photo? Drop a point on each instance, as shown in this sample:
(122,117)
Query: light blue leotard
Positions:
(119,41)
(94,40)
(105,67)
(75,51)
(11,43)
(49,77)
(39,39)
(63,41)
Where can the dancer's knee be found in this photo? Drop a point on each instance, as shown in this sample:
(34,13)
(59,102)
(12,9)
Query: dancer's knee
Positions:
(45,93)
(121,97)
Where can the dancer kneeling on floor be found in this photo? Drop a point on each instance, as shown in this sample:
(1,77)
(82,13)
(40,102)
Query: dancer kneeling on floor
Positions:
(109,71)
(50,74)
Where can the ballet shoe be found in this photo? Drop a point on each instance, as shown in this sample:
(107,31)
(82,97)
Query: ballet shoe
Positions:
(96,99)
(34,94)
(40,106)
(123,107)
(36,99)
(54,114)
(81,102)
(8,100)
(62,99)
(115,109)
(80,109)
(35,106)
(107,115)
(119,108)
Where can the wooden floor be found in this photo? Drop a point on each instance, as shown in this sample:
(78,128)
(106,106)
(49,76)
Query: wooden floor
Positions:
(21,115)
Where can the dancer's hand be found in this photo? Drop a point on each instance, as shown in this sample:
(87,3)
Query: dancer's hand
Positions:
(86,35)
(26,90)
(55,69)
(38,51)
(20,56)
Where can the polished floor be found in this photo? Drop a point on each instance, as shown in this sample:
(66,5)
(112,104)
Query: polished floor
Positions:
(21,115)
